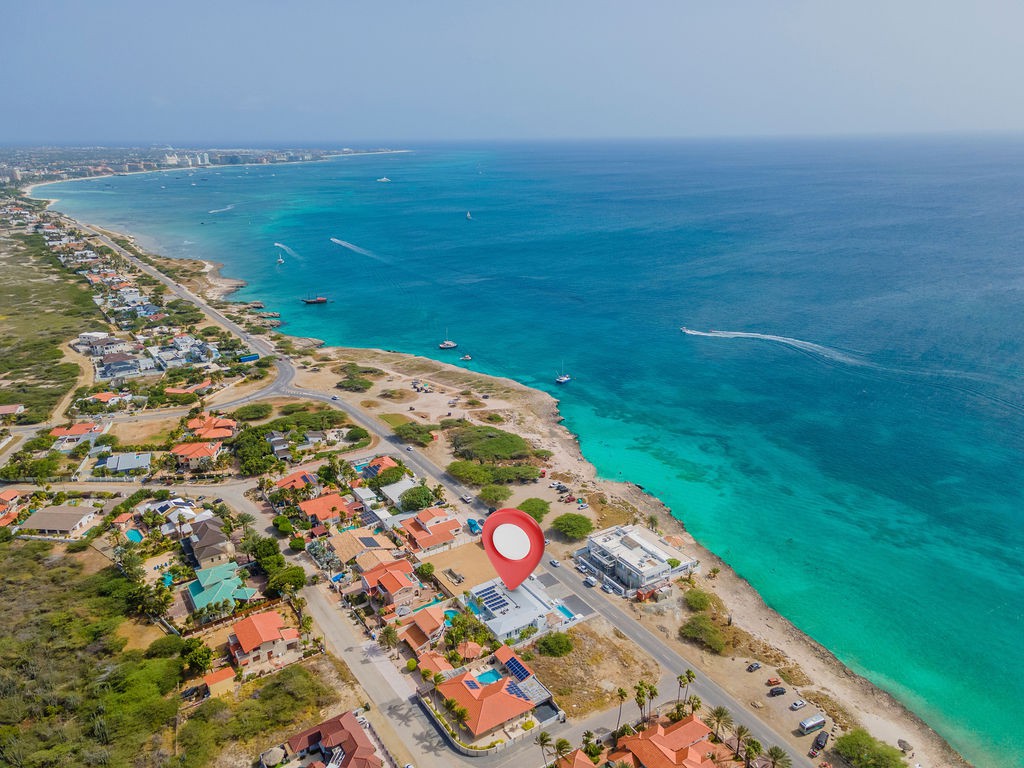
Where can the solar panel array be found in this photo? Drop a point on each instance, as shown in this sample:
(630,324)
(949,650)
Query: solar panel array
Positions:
(472,685)
(515,690)
(492,599)
(517,669)
(368,541)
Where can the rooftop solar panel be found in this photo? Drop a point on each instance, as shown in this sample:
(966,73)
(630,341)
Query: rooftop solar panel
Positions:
(368,541)
(518,670)
(472,685)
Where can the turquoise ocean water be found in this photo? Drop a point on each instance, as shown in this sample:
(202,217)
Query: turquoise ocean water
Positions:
(861,468)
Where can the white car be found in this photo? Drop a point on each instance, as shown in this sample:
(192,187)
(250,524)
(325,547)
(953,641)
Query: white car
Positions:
(798,704)
(554,563)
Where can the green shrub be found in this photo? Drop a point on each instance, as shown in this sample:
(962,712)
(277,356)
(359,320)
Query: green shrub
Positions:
(416,433)
(488,444)
(536,508)
(555,644)
(493,495)
(165,647)
(297,543)
(863,750)
(573,526)
(253,412)
(416,498)
(697,599)
(355,434)
(700,629)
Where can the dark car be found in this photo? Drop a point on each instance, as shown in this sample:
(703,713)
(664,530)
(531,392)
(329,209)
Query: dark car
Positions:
(753,667)
(777,691)
(820,740)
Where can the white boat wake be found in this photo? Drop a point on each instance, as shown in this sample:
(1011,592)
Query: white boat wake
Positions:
(221,210)
(806,346)
(356,249)
(938,378)
(287,250)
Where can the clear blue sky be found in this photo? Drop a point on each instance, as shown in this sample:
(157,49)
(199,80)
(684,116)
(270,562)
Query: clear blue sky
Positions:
(344,72)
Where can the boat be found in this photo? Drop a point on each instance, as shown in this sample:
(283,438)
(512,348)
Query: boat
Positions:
(469,216)
(563,377)
(314,300)
(447,343)
(280,259)
(383,179)
(466,357)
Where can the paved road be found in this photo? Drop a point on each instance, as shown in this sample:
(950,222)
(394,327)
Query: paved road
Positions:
(420,736)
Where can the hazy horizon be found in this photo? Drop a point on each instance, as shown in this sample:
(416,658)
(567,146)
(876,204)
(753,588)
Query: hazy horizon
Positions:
(322,73)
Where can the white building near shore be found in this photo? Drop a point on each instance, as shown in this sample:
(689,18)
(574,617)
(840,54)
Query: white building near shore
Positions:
(634,557)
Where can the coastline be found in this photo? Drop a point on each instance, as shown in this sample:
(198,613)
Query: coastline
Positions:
(877,710)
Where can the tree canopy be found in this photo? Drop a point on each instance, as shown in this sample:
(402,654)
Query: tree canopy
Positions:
(573,526)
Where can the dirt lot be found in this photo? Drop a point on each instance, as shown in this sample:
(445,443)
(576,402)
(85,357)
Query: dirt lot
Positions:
(138,635)
(469,560)
(143,432)
(600,663)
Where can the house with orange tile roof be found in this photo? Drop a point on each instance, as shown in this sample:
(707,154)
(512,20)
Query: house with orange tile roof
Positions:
(69,437)
(122,521)
(489,706)
(341,741)
(418,630)
(14,409)
(108,398)
(372,558)
(331,508)
(685,744)
(263,640)
(392,583)
(220,682)
(193,455)
(434,661)
(298,481)
(210,427)
(11,502)
(430,529)
(195,389)
(575,759)
(378,465)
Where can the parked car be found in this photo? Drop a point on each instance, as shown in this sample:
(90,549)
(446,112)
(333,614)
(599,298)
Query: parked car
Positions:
(554,563)
(590,581)
(819,744)
(773,681)
(582,568)
(753,667)
(777,691)
(334,397)
(466,498)
(798,704)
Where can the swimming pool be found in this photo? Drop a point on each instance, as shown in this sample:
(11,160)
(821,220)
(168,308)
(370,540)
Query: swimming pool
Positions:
(473,608)
(448,616)
(133,534)
(488,677)
(168,579)
(566,612)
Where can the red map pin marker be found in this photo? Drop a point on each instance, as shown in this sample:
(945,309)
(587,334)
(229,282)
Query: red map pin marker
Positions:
(514,544)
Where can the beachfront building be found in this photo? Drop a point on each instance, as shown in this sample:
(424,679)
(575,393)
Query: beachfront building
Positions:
(685,744)
(263,642)
(63,520)
(507,612)
(634,558)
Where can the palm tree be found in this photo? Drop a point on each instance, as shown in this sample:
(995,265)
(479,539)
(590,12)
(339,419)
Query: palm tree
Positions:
(562,748)
(245,520)
(652,694)
(388,637)
(751,751)
(741,732)
(588,738)
(298,603)
(778,757)
(641,697)
(685,679)
(622,695)
(436,680)
(543,741)
(695,703)
(462,715)
(652,522)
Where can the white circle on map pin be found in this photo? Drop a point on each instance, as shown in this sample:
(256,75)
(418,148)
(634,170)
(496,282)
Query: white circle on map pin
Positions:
(511,541)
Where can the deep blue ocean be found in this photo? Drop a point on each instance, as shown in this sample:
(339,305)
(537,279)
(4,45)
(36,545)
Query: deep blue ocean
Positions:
(863,469)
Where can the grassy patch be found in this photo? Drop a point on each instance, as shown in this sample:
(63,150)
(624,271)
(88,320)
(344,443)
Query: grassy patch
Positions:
(43,306)
(394,419)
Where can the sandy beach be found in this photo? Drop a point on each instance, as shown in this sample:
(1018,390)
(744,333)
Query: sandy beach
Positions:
(534,415)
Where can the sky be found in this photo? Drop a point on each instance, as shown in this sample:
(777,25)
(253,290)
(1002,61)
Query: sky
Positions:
(340,72)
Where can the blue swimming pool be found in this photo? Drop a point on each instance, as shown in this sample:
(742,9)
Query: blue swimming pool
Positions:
(134,535)
(488,677)
(473,608)
(566,612)
(448,616)
(168,579)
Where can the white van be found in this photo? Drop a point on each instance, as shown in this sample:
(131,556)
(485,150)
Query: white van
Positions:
(812,724)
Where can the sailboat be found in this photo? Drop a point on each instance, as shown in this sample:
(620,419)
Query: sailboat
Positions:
(563,377)
(469,216)
(447,343)
(280,259)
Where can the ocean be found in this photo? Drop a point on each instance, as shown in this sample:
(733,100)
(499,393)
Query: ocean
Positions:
(848,432)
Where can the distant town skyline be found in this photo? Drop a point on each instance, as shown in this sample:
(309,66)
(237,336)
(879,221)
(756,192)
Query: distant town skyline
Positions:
(330,73)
